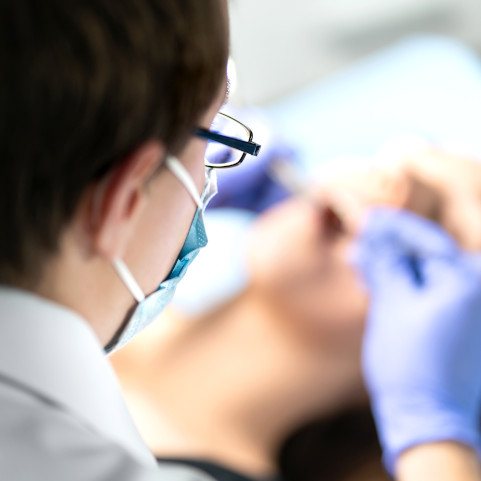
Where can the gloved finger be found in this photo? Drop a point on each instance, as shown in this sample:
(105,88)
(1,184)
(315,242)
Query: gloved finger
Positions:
(411,233)
(393,247)
(461,273)
(384,267)
(472,262)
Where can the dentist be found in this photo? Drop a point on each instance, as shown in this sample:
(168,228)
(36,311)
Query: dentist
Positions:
(108,126)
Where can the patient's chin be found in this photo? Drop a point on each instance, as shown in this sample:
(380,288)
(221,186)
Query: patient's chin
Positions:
(327,310)
(338,319)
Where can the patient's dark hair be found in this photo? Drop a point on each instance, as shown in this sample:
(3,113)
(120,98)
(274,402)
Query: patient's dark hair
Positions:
(82,84)
(342,447)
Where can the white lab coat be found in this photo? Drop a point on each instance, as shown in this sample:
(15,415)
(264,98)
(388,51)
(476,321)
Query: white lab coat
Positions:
(62,416)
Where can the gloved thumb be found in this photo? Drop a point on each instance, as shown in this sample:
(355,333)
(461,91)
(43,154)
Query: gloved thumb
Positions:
(392,244)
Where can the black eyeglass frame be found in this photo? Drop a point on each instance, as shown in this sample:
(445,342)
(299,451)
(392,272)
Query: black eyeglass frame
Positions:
(245,146)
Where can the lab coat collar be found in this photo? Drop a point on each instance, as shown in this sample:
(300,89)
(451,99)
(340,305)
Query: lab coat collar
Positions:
(54,352)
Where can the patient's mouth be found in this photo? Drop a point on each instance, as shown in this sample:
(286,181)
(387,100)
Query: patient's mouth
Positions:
(332,222)
(332,216)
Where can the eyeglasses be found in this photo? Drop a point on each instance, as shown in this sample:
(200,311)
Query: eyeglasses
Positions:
(229,142)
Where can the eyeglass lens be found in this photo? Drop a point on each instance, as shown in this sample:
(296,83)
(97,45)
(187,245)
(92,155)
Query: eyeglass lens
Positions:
(219,154)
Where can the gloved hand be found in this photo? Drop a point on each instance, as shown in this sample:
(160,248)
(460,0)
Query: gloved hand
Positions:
(422,345)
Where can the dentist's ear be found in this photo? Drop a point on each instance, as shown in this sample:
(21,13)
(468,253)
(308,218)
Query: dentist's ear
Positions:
(118,199)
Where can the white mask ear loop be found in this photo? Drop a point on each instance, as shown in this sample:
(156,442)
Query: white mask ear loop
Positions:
(184,178)
(128,279)
(119,265)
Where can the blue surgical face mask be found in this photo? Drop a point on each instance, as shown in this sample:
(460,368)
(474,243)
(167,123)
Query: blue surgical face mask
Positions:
(149,308)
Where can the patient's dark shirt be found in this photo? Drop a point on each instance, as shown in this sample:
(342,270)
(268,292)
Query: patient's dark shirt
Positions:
(218,472)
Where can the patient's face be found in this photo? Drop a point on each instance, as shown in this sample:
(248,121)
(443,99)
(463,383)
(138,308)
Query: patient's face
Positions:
(299,252)
(299,262)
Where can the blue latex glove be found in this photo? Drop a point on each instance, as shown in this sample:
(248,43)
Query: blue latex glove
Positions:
(422,346)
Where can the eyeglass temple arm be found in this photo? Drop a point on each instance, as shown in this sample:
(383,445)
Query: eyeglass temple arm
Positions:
(248,147)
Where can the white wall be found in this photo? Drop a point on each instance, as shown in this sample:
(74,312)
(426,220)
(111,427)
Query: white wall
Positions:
(281,45)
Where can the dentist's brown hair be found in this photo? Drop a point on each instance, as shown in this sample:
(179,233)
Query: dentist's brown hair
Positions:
(82,84)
